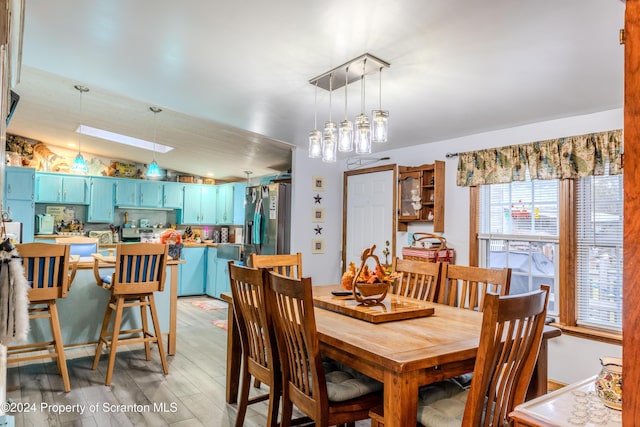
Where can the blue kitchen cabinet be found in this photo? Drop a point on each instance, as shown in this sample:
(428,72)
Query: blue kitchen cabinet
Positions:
(222,276)
(150,194)
(210,281)
(126,193)
(191,275)
(59,188)
(101,196)
(199,204)
(19,199)
(173,196)
(230,203)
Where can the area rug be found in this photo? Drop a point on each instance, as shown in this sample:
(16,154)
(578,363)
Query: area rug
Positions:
(222,324)
(210,304)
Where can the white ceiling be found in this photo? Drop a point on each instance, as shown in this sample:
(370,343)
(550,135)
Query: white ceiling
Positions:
(232,77)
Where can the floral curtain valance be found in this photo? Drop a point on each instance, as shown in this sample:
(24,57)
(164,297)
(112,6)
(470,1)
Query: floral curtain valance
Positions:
(570,157)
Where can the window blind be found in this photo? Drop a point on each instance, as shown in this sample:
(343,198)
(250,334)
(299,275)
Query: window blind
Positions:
(599,222)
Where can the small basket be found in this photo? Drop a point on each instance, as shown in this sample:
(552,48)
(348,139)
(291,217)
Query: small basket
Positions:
(369,293)
(417,251)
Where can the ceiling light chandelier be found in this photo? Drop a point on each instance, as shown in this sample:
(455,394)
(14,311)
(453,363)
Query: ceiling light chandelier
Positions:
(330,133)
(153,170)
(345,133)
(363,127)
(79,165)
(315,137)
(348,134)
(380,119)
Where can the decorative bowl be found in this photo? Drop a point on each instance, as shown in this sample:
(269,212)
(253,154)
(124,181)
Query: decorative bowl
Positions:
(369,293)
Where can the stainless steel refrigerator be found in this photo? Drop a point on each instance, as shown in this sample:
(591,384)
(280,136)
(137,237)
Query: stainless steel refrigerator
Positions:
(267,224)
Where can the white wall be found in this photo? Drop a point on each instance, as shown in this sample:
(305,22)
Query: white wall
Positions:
(564,366)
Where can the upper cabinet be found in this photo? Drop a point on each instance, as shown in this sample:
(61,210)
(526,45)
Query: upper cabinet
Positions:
(19,198)
(59,188)
(101,197)
(230,203)
(199,204)
(136,193)
(173,195)
(421,195)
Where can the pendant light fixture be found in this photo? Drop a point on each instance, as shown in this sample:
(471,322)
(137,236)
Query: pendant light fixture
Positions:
(363,128)
(79,165)
(153,170)
(330,133)
(315,137)
(342,138)
(379,117)
(345,133)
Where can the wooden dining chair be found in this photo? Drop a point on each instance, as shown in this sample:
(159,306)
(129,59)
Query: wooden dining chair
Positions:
(257,336)
(466,287)
(510,340)
(140,270)
(289,265)
(47,269)
(327,397)
(417,279)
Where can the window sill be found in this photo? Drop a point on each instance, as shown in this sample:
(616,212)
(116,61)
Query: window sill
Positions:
(589,333)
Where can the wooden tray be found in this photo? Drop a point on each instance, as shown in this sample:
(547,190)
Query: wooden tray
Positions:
(392,308)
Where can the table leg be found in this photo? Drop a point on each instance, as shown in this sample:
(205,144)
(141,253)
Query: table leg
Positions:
(400,399)
(539,378)
(173,310)
(234,352)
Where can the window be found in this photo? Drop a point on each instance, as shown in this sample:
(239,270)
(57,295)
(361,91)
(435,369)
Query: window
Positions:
(519,228)
(599,216)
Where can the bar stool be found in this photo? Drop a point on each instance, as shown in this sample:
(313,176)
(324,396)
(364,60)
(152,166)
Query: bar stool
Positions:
(139,272)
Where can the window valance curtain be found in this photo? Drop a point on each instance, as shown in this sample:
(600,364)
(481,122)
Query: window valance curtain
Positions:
(570,157)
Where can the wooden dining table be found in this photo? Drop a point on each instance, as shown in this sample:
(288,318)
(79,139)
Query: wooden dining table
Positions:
(402,354)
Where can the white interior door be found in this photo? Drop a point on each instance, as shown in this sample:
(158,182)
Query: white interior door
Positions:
(370,213)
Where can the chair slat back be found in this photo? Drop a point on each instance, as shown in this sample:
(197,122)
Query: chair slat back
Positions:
(46,269)
(289,265)
(291,304)
(248,286)
(466,287)
(509,344)
(417,279)
(140,268)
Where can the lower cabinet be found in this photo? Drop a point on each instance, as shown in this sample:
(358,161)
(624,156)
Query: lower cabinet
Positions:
(191,276)
(212,268)
(222,276)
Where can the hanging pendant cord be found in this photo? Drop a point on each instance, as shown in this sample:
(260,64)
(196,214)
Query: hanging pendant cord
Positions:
(330,91)
(315,107)
(380,91)
(364,64)
(346,82)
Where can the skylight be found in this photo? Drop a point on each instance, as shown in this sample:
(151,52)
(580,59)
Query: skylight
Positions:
(123,139)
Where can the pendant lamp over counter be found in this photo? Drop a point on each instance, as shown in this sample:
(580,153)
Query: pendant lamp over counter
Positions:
(361,132)
(153,170)
(79,165)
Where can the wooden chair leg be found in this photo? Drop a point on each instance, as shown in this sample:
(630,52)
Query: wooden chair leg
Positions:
(145,325)
(158,333)
(114,339)
(243,401)
(274,403)
(57,341)
(103,333)
(287,412)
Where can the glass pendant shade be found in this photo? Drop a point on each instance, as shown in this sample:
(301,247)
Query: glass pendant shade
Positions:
(363,135)
(345,136)
(153,170)
(79,164)
(379,126)
(329,142)
(315,144)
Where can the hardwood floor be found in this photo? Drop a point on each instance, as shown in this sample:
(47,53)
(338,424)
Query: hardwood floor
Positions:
(193,394)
